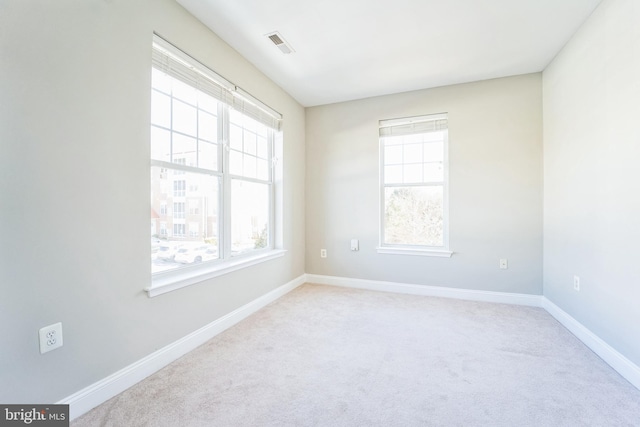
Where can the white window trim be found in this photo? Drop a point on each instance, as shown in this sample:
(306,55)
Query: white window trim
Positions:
(182,277)
(417,250)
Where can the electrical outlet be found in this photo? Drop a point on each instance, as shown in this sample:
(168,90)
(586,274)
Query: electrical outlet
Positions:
(323,253)
(50,337)
(576,283)
(503,264)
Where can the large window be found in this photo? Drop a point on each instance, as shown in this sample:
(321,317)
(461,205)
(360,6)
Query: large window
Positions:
(212,167)
(414,187)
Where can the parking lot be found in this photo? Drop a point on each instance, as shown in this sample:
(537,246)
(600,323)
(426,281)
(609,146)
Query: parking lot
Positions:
(169,255)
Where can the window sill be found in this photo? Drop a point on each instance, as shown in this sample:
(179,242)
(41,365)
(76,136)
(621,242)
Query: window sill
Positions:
(418,252)
(163,283)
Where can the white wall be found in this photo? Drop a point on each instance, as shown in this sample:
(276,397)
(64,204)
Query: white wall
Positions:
(74,191)
(495,140)
(592,176)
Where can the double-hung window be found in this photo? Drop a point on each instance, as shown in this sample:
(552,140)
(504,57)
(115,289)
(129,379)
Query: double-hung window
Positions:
(414,186)
(212,171)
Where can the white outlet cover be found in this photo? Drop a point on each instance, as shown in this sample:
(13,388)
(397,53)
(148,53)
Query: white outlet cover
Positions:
(50,337)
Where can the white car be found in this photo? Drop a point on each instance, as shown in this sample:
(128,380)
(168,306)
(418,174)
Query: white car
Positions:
(167,251)
(196,253)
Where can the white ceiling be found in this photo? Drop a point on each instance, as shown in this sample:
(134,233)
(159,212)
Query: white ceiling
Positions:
(352,49)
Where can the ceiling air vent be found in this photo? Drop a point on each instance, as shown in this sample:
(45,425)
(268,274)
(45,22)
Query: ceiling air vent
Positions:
(279,41)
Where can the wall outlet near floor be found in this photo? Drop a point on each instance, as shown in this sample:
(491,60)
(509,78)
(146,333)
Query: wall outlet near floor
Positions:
(576,283)
(503,264)
(50,337)
(323,253)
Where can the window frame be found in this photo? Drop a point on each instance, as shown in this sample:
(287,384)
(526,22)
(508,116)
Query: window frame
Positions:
(235,98)
(411,249)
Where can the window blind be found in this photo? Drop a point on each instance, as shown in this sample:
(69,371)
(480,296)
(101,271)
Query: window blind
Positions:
(170,60)
(413,125)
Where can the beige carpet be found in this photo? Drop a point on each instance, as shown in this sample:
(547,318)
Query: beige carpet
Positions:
(328,356)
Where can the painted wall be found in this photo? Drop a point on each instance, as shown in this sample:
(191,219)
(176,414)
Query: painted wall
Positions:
(592,178)
(74,191)
(495,156)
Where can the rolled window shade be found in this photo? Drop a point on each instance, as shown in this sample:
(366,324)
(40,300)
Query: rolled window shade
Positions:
(174,62)
(413,125)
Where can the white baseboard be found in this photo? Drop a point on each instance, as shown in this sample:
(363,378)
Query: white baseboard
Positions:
(103,390)
(433,291)
(625,367)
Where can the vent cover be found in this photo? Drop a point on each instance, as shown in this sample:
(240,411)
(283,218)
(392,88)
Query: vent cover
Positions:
(276,39)
(279,41)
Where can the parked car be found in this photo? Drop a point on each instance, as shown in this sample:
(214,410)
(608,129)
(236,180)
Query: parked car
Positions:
(196,253)
(168,250)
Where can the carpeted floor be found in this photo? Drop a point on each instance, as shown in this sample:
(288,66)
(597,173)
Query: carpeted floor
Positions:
(329,356)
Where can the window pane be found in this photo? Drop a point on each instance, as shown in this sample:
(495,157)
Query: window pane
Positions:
(434,152)
(235,162)
(207,103)
(208,155)
(393,174)
(235,138)
(414,216)
(250,168)
(184,118)
(160,109)
(263,170)
(433,172)
(413,153)
(392,140)
(184,221)
(161,81)
(160,144)
(184,147)
(393,154)
(263,149)
(434,136)
(207,126)
(410,139)
(184,92)
(249,142)
(249,216)
(413,174)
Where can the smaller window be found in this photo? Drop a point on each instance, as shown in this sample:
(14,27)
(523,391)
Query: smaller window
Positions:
(178,210)
(179,188)
(414,185)
(178,230)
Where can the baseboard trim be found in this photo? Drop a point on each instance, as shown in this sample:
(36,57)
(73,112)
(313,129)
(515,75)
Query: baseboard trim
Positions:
(433,291)
(625,367)
(103,390)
